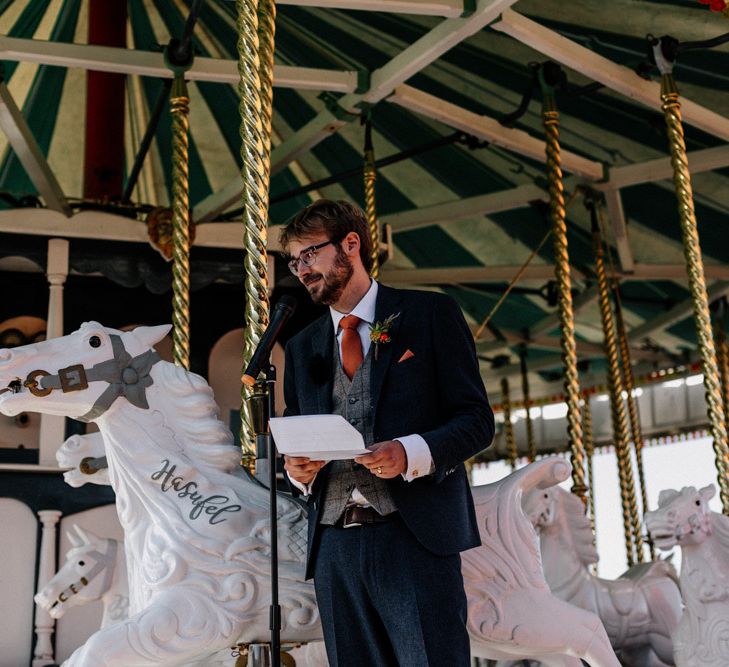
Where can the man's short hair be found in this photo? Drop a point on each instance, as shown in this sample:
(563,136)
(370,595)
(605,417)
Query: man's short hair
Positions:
(336,219)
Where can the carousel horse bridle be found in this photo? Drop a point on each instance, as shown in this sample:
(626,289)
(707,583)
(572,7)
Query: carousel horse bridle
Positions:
(126,375)
(103,561)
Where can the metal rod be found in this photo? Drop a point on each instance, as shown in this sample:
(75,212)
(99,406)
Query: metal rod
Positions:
(511,450)
(531,444)
(147,139)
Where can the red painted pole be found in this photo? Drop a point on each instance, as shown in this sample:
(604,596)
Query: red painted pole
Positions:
(104,148)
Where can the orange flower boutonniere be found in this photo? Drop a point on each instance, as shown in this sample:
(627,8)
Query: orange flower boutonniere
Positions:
(379,332)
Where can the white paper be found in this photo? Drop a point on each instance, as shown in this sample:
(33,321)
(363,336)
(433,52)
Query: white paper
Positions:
(320,437)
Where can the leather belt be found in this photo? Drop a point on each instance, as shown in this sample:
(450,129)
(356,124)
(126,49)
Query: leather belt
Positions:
(356,515)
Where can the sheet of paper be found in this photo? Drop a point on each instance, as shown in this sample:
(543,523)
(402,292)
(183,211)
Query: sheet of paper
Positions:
(320,437)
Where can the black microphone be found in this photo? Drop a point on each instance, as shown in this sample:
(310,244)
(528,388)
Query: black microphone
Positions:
(284,309)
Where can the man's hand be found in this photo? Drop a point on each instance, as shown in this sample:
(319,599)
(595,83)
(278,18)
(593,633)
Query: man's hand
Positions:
(387,460)
(301,468)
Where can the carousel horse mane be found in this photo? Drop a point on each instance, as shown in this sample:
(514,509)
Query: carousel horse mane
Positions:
(574,519)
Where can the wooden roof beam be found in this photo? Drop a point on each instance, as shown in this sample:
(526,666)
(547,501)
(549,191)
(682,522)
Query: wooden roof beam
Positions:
(462,209)
(148,63)
(410,61)
(21,138)
(610,74)
(446,8)
(490,130)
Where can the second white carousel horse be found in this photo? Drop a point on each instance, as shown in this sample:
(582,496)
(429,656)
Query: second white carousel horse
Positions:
(683,518)
(640,610)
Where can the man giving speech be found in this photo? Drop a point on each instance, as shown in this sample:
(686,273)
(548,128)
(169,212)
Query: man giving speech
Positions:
(386,529)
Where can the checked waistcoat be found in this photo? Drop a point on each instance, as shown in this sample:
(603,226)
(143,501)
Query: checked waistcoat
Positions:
(352,400)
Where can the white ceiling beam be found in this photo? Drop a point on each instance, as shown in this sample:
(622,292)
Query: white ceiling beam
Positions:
(706,159)
(486,274)
(21,138)
(491,130)
(148,63)
(676,314)
(616,215)
(462,209)
(109,227)
(447,8)
(383,81)
(468,275)
(596,67)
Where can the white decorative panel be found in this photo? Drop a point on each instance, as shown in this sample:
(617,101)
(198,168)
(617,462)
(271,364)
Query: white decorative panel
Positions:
(18,543)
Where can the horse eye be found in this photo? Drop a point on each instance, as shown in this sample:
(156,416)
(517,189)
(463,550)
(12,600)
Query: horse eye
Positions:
(82,563)
(95,341)
(546,495)
(698,502)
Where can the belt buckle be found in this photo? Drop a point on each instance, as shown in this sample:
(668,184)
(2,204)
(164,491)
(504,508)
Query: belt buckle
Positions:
(73,378)
(346,523)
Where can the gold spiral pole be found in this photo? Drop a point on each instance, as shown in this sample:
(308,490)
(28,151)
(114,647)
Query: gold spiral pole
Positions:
(589,453)
(370,177)
(722,359)
(629,383)
(697,282)
(531,444)
(255,113)
(511,451)
(631,522)
(550,118)
(180,109)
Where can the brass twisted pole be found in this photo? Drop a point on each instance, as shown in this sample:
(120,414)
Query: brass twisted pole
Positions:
(180,109)
(697,281)
(255,114)
(631,522)
(511,451)
(550,118)
(589,453)
(531,444)
(370,177)
(722,358)
(633,413)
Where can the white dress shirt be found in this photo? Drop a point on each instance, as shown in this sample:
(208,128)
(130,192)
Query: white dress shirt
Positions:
(419,458)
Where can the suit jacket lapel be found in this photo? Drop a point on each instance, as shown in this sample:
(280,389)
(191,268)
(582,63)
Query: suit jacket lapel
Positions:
(321,373)
(387,304)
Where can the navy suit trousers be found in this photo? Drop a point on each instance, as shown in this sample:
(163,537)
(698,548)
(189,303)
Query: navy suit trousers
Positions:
(386,601)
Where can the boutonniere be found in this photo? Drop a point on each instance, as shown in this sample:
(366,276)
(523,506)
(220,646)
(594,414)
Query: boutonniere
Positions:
(380,332)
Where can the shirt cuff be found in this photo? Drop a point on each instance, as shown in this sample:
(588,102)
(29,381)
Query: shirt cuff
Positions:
(420,460)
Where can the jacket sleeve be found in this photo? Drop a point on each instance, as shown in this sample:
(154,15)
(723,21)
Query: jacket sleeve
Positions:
(290,396)
(469,424)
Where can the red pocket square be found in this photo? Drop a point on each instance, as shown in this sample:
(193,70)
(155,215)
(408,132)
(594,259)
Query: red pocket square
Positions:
(406,355)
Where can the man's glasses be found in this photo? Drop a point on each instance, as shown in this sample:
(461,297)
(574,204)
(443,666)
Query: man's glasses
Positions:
(307,256)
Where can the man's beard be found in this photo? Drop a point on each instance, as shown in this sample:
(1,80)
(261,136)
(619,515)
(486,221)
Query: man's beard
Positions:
(331,286)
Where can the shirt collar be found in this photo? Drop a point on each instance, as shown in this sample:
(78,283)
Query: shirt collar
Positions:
(365,309)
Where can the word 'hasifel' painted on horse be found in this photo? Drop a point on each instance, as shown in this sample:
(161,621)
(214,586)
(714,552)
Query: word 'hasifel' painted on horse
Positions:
(683,518)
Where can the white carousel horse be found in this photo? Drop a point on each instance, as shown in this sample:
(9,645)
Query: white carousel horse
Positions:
(95,569)
(196,525)
(511,611)
(683,518)
(640,610)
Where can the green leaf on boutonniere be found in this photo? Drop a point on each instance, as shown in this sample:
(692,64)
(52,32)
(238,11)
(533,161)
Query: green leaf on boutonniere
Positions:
(380,332)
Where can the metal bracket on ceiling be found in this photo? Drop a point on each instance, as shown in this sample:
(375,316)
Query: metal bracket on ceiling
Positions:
(331,102)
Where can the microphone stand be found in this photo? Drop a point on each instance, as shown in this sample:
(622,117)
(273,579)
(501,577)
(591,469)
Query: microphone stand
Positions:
(263,406)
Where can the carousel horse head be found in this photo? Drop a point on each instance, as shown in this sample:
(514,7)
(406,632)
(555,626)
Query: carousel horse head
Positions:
(558,513)
(86,576)
(79,375)
(682,518)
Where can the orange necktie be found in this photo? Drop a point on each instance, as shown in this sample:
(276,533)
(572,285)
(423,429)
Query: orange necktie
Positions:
(351,345)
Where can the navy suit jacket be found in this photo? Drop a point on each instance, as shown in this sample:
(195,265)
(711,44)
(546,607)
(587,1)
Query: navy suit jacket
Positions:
(437,393)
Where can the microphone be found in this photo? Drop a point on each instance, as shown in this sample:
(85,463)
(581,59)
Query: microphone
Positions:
(284,309)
